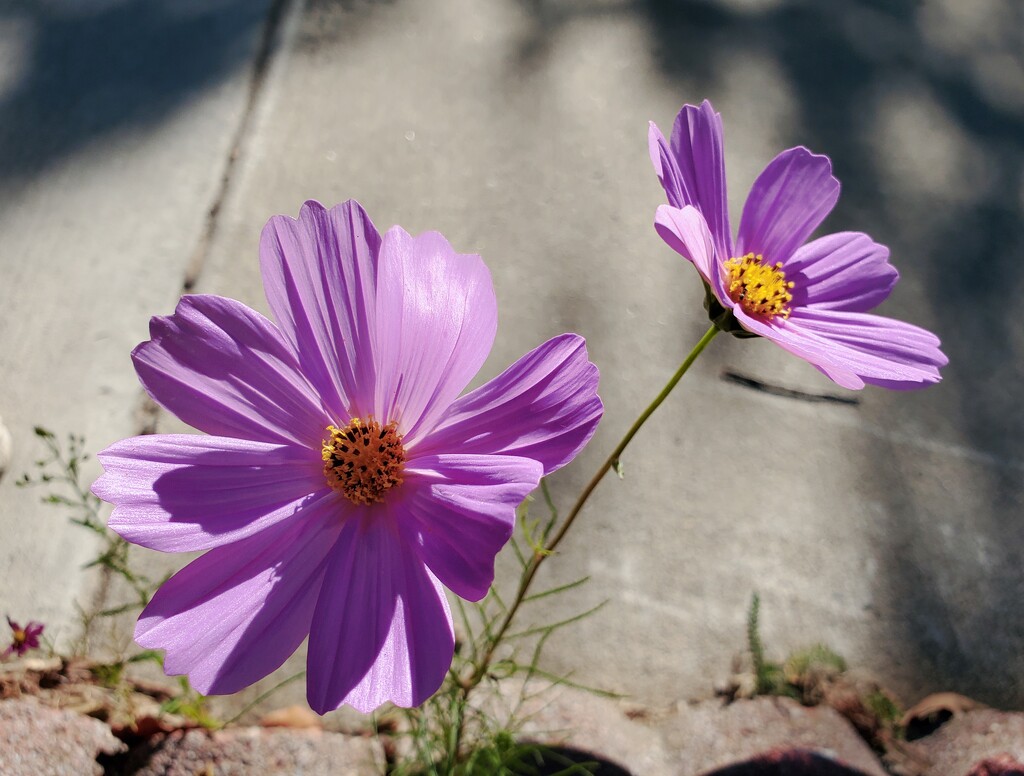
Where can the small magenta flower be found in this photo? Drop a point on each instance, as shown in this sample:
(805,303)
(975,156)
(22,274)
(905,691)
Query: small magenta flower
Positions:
(811,298)
(24,639)
(344,480)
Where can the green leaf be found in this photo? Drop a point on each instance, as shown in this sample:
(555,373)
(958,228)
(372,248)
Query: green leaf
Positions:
(556,590)
(556,625)
(148,655)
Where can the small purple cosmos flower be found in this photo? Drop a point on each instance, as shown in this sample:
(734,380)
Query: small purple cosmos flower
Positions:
(344,481)
(811,298)
(23,639)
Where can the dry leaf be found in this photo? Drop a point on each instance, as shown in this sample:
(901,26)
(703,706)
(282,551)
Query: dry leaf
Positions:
(291,717)
(950,702)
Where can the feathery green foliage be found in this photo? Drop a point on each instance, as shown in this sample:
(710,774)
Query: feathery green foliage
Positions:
(468,728)
(60,472)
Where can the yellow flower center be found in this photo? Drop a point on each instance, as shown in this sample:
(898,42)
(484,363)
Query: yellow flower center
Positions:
(20,636)
(761,289)
(363,460)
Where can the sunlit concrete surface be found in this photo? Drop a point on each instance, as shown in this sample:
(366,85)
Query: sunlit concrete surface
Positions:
(116,123)
(887,525)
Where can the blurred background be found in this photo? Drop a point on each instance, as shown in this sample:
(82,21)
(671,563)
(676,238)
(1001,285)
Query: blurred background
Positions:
(143,145)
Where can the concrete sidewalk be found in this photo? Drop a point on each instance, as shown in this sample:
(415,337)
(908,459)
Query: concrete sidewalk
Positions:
(145,144)
(118,121)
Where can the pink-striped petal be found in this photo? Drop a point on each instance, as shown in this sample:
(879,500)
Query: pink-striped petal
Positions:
(181,492)
(844,271)
(320,275)
(458,511)
(545,406)
(819,353)
(855,349)
(692,168)
(686,232)
(882,351)
(235,614)
(436,320)
(382,630)
(226,370)
(787,202)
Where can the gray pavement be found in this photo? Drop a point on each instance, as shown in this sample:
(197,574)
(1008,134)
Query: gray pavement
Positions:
(116,121)
(888,525)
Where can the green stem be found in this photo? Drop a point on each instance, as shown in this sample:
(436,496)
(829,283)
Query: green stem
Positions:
(612,461)
(263,697)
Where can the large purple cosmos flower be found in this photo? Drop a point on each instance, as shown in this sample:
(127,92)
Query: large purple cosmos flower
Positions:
(811,298)
(344,480)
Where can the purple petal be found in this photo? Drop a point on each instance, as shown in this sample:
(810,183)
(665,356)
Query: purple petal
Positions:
(320,275)
(845,271)
(692,168)
(817,352)
(382,630)
(857,348)
(236,613)
(226,370)
(459,510)
(686,232)
(545,407)
(786,204)
(436,319)
(180,492)
(882,351)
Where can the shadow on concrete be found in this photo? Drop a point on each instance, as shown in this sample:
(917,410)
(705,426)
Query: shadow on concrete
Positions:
(85,70)
(332,23)
(788,762)
(555,760)
(837,58)
(958,243)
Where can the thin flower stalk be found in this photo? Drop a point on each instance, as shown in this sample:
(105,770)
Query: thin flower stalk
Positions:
(548,549)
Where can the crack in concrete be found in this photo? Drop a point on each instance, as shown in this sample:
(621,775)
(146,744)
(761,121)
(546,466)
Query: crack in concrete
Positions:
(261,64)
(147,412)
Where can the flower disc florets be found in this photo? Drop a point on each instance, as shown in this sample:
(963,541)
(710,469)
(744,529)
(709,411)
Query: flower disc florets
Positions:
(762,289)
(363,460)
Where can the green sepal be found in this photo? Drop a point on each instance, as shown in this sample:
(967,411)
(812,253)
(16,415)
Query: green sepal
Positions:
(722,316)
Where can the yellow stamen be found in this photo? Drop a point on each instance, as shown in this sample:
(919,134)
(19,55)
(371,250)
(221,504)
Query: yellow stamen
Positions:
(363,460)
(761,289)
